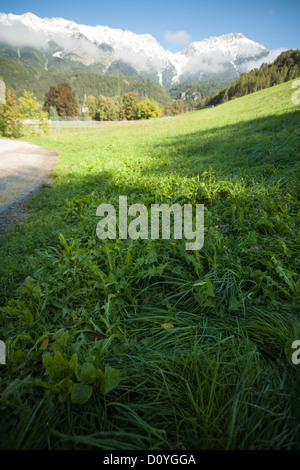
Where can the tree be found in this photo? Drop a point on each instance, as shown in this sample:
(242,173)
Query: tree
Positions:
(294,72)
(63,98)
(118,101)
(129,109)
(106,109)
(84,115)
(33,117)
(174,108)
(29,104)
(147,108)
(92,105)
(53,114)
(10,116)
(283,73)
(50,99)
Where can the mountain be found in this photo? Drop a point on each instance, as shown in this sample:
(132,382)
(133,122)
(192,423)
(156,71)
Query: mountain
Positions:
(64,45)
(222,55)
(19,76)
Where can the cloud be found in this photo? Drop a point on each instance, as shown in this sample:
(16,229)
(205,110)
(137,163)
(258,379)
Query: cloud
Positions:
(217,62)
(206,64)
(136,60)
(16,34)
(19,35)
(177,37)
(255,64)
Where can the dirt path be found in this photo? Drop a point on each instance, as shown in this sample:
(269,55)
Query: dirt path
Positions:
(23,169)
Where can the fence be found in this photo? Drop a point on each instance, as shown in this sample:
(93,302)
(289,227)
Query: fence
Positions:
(72,126)
(69,126)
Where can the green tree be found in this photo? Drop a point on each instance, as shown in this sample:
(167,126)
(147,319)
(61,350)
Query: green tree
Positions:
(106,109)
(294,72)
(10,116)
(118,101)
(147,108)
(283,73)
(53,114)
(129,109)
(34,119)
(92,105)
(29,105)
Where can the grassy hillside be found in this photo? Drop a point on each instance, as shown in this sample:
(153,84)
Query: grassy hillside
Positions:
(284,69)
(200,339)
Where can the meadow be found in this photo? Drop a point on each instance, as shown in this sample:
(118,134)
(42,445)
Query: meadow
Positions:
(141,344)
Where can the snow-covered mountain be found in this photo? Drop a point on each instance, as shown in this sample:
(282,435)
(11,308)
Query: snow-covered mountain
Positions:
(109,48)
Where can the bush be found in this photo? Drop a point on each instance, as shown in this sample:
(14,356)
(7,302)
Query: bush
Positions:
(106,109)
(147,108)
(10,116)
(34,120)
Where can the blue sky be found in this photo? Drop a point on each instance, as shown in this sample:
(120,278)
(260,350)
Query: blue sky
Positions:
(175,23)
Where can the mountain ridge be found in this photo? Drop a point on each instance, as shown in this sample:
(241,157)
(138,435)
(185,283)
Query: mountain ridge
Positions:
(106,48)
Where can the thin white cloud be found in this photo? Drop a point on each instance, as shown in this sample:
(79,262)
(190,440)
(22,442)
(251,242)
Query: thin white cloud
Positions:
(177,37)
(136,60)
(20,35)
(255,64)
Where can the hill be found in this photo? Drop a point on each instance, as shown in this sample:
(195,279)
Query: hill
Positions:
(286,67)
(32,77)
(193,93)
(132,344)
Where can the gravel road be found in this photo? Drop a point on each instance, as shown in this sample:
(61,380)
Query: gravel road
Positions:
(24,168)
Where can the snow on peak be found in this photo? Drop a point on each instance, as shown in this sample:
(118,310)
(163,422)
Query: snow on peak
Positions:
(101,44)
(231,45)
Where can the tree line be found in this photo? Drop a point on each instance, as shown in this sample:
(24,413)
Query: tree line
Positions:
(61,102)
(25,115)
(193,93)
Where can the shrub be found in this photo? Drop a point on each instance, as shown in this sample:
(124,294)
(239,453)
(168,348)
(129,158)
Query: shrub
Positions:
(147,108)
(10,116)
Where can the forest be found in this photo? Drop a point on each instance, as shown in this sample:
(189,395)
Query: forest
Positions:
(286,67)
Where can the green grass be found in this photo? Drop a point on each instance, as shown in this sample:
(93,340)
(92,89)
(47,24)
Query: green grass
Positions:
(76,309)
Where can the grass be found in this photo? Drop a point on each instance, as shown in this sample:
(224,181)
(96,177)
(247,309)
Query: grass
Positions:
(140,344)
